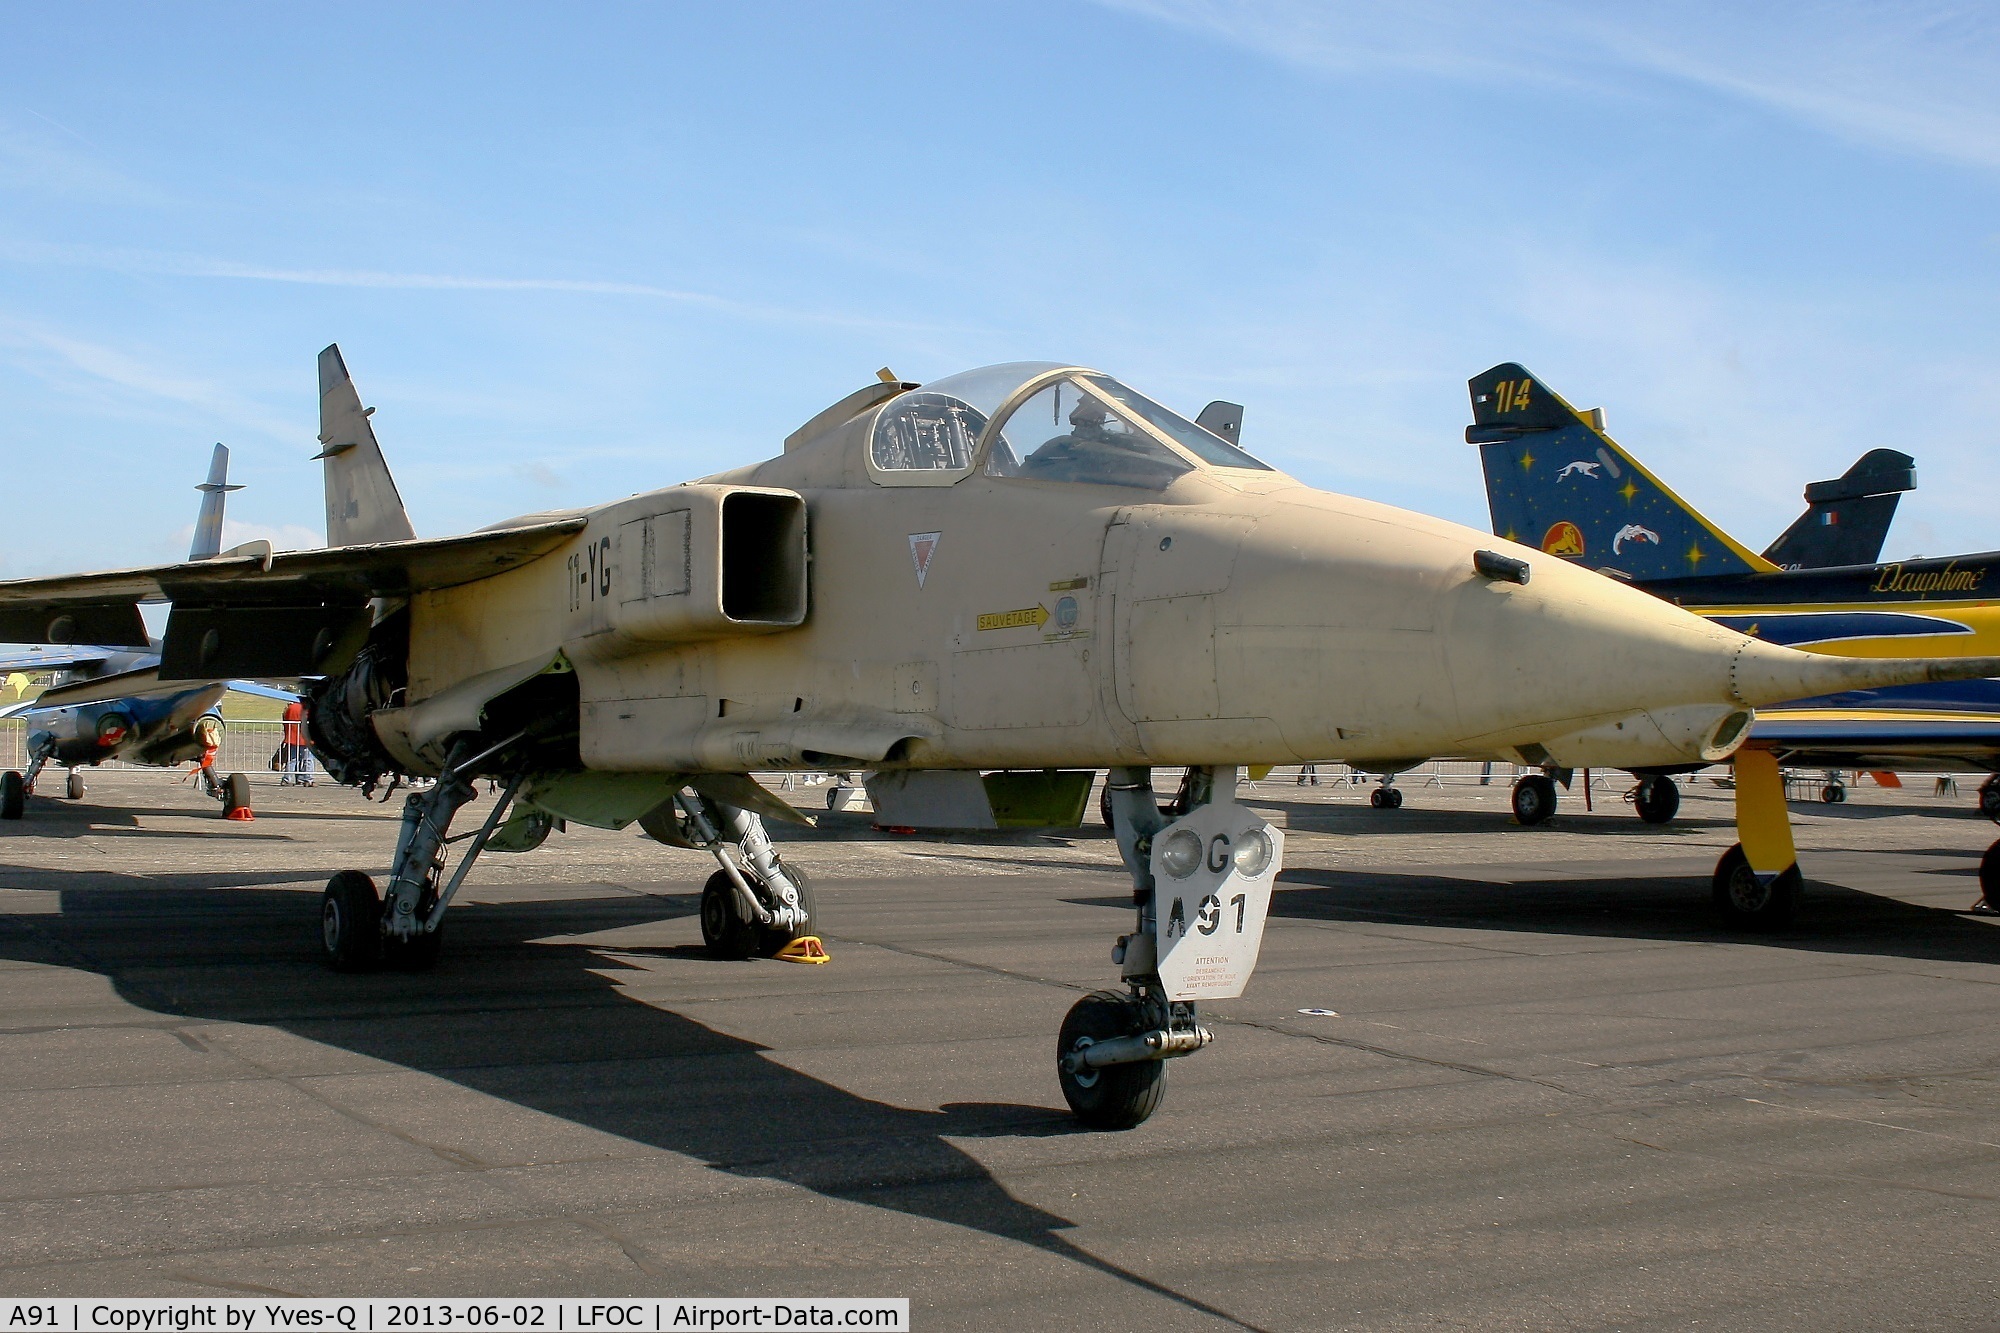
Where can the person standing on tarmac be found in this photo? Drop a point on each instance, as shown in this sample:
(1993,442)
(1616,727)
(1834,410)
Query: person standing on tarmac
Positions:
(298,755)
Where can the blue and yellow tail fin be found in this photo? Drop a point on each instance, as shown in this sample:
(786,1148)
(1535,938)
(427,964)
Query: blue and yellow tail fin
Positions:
(1556,481)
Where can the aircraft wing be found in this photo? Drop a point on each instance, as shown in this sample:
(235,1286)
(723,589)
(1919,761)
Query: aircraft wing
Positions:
(54,659)
(386,569)
(265,610)
(138,684)
(1831,738)
(263,691)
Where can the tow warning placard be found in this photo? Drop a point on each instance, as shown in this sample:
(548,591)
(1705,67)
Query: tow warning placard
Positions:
(1213,870)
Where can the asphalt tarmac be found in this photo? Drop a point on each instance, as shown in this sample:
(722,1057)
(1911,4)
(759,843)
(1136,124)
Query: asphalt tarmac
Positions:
(1553,1094)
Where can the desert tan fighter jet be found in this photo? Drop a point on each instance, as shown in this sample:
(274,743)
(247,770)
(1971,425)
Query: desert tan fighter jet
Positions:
(1025,567)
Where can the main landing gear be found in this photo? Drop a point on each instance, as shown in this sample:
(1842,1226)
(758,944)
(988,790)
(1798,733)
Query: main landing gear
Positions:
(754,903)
(1657,799)
(1201,888)
(1387,795)
(1989,864)
(404,926)
(1534,798)
(1989,797)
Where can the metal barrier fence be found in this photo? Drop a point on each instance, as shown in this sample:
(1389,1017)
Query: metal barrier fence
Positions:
(246,746)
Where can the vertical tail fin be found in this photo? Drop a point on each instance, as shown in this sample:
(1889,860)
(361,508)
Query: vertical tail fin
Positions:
(208,523)
(1555,480)
(362,503)
(1847,519)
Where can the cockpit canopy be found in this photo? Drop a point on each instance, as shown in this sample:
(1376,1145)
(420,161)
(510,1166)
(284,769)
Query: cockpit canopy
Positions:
(1040,421)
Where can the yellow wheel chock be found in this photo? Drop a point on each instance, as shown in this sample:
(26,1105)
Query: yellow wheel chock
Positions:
(804,949)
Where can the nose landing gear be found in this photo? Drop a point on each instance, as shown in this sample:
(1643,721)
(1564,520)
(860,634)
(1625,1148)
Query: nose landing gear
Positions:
(1757,882)
(1108,1095)
(1201,888)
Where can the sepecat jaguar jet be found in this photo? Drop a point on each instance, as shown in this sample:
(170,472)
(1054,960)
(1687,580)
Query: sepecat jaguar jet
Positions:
(1023,568)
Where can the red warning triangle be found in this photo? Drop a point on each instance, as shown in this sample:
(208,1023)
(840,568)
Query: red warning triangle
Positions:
(923,545)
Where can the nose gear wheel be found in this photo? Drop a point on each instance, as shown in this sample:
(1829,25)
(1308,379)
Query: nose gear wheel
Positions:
(1115,1096)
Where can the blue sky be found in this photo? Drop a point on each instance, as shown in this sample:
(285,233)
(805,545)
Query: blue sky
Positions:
(573,252)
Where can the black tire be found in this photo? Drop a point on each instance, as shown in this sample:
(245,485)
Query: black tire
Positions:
(1832,794)
(416,954)
(1657,799)
(235,793)
(75,786)
(1377,799)
(13,795)
(1395,797)
(1989,798)
(1753,904)
(772,939)
(1989,876)
(350,922)
(1118,1096)
(1534,799)
(724,928)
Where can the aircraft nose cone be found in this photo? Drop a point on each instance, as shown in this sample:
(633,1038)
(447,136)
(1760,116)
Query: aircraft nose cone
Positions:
(1370,633)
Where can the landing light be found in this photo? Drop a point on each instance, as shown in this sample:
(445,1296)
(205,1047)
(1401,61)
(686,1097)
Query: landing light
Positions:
(1253,853)
(1181,855)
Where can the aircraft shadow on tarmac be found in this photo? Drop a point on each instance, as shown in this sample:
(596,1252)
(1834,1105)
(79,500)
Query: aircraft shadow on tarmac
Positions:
(49,817)
(1831,919)
(516,1012)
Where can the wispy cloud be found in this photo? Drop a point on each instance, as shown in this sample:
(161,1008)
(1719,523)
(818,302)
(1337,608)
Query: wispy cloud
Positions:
(1916,78)
(59,359)
(173,264)
(33,161)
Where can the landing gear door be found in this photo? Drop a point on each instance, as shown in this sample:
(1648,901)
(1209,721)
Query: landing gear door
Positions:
(1213,871)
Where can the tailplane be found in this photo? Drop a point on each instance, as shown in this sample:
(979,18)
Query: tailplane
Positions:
(362,503)
(1847,519)
(1555,480)
(208,523)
